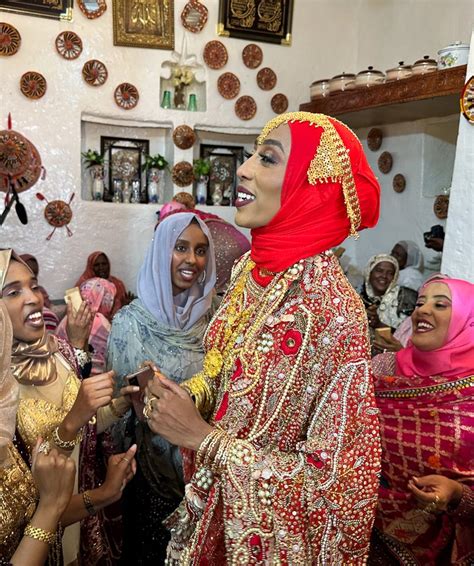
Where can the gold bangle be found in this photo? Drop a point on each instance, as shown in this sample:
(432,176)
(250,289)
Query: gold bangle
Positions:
(88,503)
(66,444)
(39,534)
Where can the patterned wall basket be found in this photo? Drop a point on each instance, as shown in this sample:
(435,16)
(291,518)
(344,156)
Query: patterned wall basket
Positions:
(252,56)
(228,85)
(182,174)
(399,183)
(266,78)
(69,45)
(57,213)
(374,139)
(33,85)
(279,103)
(385,162)
(126,96)
(215,54)
(184,137)
(245,107)
(194,16)
(10,40)
(94,72)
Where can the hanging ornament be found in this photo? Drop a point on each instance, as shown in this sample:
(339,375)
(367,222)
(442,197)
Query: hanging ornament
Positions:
(194,16)
(20,169)
(58,213)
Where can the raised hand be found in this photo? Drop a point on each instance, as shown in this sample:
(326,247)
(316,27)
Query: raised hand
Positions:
(436,491)
(79,324)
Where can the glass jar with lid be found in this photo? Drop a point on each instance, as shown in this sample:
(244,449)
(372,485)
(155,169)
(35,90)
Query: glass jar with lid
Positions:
(344,81)
(425,65)
(401,72)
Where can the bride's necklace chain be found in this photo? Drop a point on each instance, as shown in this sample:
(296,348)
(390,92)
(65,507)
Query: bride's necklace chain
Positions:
(221,357)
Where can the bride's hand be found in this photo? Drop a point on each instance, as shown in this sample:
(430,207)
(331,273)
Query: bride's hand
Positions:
(173,415)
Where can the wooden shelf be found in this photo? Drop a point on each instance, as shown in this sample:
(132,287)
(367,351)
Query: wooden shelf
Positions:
(420,96)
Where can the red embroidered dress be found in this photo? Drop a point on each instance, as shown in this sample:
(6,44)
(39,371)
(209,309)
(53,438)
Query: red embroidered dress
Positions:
(300,483)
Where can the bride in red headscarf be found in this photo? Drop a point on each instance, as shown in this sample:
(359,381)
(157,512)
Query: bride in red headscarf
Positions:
(283,466)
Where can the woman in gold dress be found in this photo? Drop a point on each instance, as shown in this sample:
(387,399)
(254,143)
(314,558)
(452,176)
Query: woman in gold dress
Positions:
(54,404)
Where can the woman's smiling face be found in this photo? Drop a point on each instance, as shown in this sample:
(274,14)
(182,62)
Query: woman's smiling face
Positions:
(261,180)
(431,317)
(24,302)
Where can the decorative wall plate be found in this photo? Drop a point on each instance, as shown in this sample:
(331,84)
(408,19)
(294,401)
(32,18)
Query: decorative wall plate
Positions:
(252,56)
(15,153)
(399,183)
(182,174)
(279,103)
(228,85)
(126,96)
(266,78)
(33,85)
(194,16)
(215,54)
(374,139)
(245,107)
(94,72)
(92,9)
(58,213)
(441,206)
(467,100)
(69,45)
(10,40)
(385,162)
(184,137)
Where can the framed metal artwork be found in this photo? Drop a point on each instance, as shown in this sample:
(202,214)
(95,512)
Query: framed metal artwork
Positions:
(57,9)
(225,160)
(144,23)
(125,159)
(258,20)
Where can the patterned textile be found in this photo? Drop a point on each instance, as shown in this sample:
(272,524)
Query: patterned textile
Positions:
(299,485)
(89,273)
(427,428)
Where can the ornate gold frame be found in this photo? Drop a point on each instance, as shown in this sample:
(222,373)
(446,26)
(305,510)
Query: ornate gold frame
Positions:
(133,17)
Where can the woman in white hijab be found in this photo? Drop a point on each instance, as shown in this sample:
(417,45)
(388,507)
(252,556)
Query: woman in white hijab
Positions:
(410,263)
(165,325)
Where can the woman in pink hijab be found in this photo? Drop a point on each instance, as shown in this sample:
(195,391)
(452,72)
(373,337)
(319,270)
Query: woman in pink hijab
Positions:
(100,296)
(425,393)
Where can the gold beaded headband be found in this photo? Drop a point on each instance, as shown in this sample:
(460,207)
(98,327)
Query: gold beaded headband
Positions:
(331,162)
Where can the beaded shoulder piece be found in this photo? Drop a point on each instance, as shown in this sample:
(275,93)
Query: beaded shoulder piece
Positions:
(331,161)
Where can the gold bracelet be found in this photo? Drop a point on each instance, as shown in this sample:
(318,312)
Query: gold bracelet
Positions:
(39,534)
(66,444)
(88,503)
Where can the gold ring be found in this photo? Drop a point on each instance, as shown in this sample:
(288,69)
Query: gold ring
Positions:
(148,408)
(126,459)
(44,447)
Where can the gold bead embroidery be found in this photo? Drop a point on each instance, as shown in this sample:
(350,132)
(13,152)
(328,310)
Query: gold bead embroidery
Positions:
(331,162)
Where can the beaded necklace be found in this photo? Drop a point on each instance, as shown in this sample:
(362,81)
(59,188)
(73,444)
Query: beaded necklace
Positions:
(220,359)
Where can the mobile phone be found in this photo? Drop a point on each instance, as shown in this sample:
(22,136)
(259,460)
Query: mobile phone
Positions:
(73,296)
(384,332)
(140,379)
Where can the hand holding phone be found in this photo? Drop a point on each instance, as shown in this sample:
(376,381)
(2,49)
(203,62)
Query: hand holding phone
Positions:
(139,378)
(73,296)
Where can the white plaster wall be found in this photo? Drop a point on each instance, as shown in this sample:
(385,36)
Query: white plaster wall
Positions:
(458,259)
(329,36)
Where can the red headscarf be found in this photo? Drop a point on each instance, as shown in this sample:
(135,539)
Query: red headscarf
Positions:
(313,217)
(121,295)
(456,357)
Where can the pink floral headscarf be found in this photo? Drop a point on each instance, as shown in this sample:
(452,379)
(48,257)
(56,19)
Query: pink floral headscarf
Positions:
(99,294)
(456,357)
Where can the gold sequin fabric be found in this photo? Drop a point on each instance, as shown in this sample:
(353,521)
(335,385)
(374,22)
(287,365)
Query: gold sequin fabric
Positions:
(39,417)
(299,483)
(18,500)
